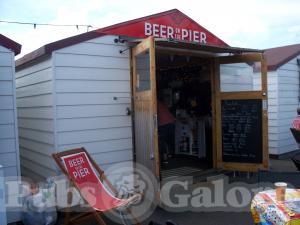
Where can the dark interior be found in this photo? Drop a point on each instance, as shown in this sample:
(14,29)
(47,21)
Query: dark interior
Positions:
(184,112)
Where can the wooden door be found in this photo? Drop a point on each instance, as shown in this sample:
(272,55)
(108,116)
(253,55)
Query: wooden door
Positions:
(145,105)
(240,112)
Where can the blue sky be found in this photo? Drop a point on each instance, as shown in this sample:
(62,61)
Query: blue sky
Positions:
(242,23)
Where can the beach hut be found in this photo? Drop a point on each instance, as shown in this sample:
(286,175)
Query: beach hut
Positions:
(100,90)
(9,144)
(283,90)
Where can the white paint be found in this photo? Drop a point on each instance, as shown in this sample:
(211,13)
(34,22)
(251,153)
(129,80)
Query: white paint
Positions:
(166,31)
(288,90)
(101,92)
(9,144)
(283,91)
(3,219)
(75,98)
(35,116)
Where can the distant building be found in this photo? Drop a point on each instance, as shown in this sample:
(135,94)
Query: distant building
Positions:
(9,144)
(283,96)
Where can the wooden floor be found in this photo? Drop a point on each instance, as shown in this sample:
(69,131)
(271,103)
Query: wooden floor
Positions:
(177,161)
(183,165)
(179,171)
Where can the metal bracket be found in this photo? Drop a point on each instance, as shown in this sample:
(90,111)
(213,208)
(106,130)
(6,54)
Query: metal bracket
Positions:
(128,111)
(124,50)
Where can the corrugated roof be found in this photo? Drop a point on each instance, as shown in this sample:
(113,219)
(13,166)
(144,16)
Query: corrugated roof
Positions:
(10,44)
(276,57)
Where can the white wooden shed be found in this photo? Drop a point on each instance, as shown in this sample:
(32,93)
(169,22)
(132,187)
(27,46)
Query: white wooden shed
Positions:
(283,93)
(71,97)
(77,92)
(9,144)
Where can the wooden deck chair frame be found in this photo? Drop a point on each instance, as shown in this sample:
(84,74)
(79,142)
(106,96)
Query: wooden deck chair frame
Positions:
(93,213)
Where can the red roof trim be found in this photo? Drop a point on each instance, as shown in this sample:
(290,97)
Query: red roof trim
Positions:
(276,66)
(10,44)
(48,48)
(129,22)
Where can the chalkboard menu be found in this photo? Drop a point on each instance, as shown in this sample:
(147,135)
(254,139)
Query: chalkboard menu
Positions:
(242,130)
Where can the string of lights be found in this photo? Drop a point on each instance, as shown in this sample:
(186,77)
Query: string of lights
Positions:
(88,26)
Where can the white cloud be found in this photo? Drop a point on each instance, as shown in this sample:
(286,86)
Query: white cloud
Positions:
(76,12)
(251,23)
(295,28)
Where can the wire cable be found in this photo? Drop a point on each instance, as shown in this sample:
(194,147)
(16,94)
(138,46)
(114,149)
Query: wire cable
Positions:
(88,26)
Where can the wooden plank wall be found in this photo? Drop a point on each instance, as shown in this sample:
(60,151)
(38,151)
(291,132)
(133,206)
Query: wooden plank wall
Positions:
(35,117)
(9,145)
(273,112)
(288,91)
(92,94)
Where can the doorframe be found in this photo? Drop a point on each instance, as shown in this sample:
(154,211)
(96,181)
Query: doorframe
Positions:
(216,107)
(211,61)
(147,44)
(262,94)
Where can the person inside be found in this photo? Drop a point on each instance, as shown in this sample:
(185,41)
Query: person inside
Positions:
(166,129)
(296,122)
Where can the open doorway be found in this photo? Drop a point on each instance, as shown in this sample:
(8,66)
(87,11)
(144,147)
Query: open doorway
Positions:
(184,99)
(183,76)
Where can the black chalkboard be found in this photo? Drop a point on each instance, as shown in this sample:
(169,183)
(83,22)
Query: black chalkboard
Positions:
(242,130)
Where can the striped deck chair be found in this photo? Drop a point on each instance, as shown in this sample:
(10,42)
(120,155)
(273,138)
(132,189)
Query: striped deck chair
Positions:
(87,177)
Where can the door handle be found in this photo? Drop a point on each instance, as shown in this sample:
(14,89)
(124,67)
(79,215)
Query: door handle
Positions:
(151,156)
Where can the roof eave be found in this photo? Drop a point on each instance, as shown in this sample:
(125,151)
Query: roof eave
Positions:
(10,44)
(275,66)
(49,48)
(36,54)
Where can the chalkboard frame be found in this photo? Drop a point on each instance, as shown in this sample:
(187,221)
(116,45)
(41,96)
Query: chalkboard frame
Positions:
(250,59)
(242,134)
